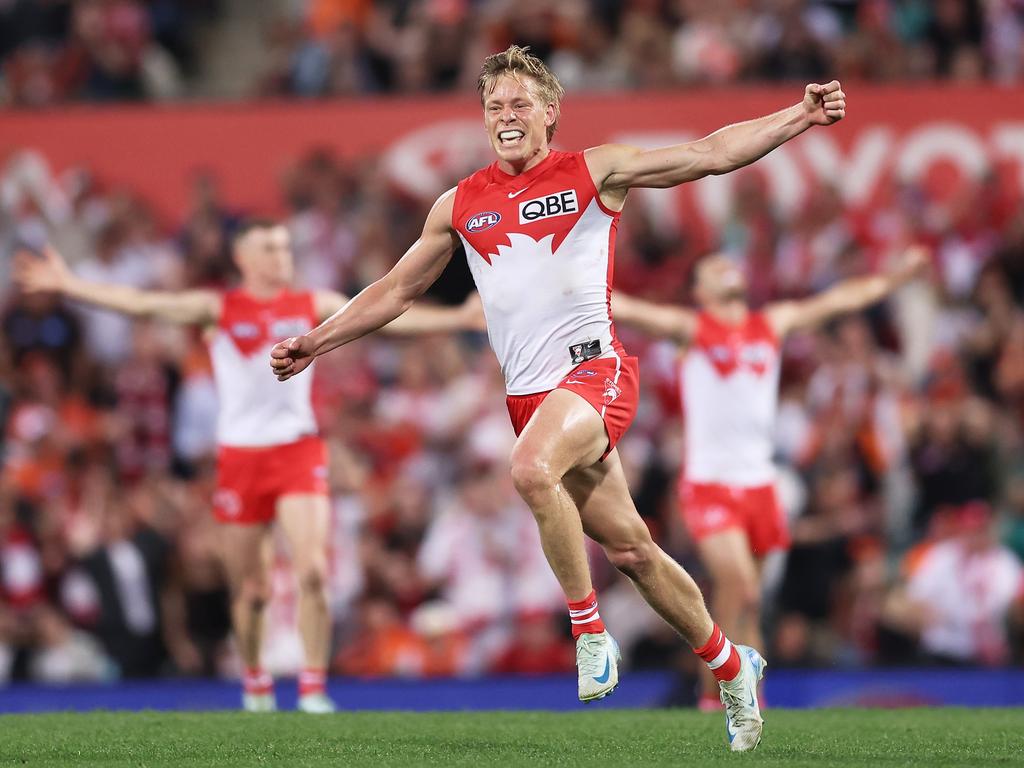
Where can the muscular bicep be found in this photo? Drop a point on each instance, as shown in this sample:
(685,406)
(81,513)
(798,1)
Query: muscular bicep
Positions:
(618,166)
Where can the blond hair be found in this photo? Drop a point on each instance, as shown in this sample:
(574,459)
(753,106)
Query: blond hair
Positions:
(517,61)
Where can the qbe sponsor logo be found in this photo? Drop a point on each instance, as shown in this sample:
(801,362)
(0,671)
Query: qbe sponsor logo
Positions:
(481,222)
(555,204)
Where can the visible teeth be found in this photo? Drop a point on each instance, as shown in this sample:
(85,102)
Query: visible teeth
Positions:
(510,135)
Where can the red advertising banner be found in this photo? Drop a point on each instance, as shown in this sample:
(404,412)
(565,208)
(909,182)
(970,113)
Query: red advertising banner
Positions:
(942,134)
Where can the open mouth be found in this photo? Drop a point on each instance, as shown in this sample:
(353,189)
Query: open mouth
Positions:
(511,138)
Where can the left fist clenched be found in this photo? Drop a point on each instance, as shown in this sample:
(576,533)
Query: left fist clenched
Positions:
(825,104)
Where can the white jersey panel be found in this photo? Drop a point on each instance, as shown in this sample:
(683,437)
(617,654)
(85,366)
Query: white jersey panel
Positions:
(538,303)
(729,422)
(255,409)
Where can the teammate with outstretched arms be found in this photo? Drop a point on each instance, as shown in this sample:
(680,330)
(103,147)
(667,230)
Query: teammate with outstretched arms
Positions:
(271,464)
(730,378)
(538,227)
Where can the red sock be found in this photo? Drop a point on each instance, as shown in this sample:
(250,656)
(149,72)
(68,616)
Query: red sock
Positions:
(312,680)
(584,616)
(721,656)
(256,681)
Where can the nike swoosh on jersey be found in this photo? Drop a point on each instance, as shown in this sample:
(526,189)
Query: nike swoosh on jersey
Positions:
(518,193)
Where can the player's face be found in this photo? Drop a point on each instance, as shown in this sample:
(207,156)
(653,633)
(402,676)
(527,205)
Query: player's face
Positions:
(516,119)
(719,279)
(265,256)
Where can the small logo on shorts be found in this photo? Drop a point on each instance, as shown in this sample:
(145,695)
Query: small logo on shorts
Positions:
(227,502)
(715,516)
(575,376)
(611,391)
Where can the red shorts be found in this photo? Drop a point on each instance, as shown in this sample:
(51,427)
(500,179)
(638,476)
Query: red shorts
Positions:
(710,508)
(611,385)
(251,480)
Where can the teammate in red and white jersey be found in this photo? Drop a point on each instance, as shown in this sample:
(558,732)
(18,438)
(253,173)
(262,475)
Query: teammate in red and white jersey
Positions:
(271,465)
(730,378)
(538,227)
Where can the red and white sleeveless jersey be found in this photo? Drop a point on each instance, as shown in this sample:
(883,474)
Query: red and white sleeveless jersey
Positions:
(730,383)
(254,408)
(541,249)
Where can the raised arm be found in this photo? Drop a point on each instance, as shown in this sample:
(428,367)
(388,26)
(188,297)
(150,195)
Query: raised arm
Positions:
(616,167)
(846,296)
(379,303)
(49,273)
(420,319)
(663,321)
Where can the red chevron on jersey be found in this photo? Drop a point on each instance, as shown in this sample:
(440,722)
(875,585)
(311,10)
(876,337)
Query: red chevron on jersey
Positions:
(255,409)
(251,323)
(752,345)
(730,382)
(544,204)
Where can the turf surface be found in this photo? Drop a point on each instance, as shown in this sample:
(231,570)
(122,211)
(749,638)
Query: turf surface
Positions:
(610,738)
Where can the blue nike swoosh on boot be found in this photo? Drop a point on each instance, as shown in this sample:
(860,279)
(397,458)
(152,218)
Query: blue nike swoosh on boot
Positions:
(607,671)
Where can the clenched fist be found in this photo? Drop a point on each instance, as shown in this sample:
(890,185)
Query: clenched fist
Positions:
(825,104)
(291,356)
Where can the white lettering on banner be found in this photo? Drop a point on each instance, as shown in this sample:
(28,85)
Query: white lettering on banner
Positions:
(941,141)
(421,162)
(856,174)
(1008,140)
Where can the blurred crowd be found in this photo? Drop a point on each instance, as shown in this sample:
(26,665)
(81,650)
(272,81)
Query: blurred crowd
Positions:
(900,442)
(99,50)
(336,47)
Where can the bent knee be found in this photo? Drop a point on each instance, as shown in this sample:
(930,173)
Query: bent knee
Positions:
(254,594)
(532,476)
(313,578)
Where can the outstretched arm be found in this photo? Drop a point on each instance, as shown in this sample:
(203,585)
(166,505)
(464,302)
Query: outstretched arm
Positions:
(663,321)
(49,273)
(420,319)
(379,303)
(847,296)
(618,167)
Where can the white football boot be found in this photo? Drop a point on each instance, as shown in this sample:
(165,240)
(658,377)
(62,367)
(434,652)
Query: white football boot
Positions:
(259,702)
(743,723)
(597,663)
(316,704)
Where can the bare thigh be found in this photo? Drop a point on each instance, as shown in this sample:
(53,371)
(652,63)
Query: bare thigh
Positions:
(305,521)
(242,554)
(564,432)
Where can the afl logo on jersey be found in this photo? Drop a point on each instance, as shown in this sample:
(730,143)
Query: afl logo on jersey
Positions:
(483,221)
(556,204)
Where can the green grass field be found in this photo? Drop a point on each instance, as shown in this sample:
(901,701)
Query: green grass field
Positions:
(685,739)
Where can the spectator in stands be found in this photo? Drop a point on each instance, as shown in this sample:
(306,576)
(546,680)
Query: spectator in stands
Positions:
(958,595)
